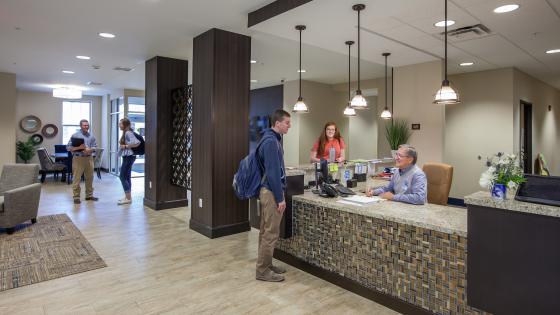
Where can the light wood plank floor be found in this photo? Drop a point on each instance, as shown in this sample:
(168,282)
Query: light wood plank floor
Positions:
(157,265)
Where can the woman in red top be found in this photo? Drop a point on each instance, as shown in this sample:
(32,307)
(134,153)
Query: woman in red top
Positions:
(329,138)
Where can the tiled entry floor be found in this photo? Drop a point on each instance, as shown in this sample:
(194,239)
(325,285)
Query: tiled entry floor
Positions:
(157,265)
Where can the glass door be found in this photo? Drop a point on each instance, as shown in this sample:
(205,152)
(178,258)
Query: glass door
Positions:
(117,112)
(136,113)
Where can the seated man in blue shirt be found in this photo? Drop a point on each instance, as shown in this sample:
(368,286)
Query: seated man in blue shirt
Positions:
(409,184)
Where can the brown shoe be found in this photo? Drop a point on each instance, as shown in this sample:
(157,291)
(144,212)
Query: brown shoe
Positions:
(92,198)
(270,276)
(278,269)
(77,201)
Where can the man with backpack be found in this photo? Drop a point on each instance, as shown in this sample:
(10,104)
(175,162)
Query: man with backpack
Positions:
(272,201)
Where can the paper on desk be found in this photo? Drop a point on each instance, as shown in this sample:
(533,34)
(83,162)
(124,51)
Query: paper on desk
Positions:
(363,199)
(351,203)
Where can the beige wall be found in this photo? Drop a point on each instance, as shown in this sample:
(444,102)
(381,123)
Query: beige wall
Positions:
(323,105)
(49,110)
(7,118)
(481,125)
(364,129)
(415,86)
(546,124)
(487,122)
(362,132)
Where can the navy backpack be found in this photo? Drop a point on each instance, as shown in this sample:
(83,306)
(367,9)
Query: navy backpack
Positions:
(248,180)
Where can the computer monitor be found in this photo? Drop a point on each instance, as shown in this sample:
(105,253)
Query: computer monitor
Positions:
(540,189)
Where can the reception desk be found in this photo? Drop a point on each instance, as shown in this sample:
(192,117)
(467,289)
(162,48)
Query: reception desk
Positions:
(412,258)
(514,256)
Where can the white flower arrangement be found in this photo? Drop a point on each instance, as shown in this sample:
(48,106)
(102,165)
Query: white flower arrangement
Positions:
(502,169)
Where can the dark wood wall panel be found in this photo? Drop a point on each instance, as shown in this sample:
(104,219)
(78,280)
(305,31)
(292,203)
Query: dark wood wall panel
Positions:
(220,130)
(163,75)
(513,261)
(203,134)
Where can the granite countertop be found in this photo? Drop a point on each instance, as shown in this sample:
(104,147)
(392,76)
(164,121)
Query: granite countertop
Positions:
(451,220)
(483,198)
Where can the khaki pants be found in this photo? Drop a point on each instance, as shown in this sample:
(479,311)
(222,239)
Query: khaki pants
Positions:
(270,230)
(82,165)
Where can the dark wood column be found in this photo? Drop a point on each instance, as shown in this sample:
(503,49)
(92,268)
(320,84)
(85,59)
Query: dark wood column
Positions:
(221,72)
(162,76)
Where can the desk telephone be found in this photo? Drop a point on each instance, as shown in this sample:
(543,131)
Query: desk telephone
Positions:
(331,190)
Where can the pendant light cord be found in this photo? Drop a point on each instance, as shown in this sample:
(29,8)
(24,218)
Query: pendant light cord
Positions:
(445,44)
(392,84)
(359,50)
(349,78)
(386,82)
(300,63)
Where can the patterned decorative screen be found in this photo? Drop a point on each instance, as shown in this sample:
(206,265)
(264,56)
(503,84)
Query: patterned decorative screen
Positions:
(181,152)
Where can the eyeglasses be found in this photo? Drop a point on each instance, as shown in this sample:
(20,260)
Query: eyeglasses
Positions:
(401,155)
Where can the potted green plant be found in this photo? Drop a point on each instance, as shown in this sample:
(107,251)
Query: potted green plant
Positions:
(25,150)
(397,133)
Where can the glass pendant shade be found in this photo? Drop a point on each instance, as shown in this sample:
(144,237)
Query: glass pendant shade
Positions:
(349,111)
(446,95)
(386,114)
(358,101)
(300,107)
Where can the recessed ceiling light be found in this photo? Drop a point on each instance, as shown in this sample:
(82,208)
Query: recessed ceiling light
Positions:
(302,71)
(253,61)
(83,57)
(553,51)
(67,71)
(107,35)
(254,81)
(506,8)
(67,92)
(466,64)
(442,23)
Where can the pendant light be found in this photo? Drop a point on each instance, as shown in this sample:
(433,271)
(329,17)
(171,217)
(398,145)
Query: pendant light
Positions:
(358,101)
(299,106)
(386,114)
(349,111)
(446,94)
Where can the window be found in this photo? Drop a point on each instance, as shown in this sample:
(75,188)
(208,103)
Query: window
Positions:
(72,113)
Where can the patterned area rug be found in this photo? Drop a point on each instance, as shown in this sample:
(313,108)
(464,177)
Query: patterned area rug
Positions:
(50,249)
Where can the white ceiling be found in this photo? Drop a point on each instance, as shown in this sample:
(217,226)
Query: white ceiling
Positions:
(405,28)
(51,33)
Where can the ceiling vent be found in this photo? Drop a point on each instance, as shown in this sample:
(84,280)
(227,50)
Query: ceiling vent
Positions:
(122,69)
(467,33)
(94,83)
(96,67)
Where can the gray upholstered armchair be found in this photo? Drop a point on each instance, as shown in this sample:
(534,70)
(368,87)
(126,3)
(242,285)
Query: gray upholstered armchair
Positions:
(19,195)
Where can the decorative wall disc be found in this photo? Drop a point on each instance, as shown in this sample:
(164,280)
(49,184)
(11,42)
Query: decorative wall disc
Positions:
(36,138)
(30,124)
(49,131)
